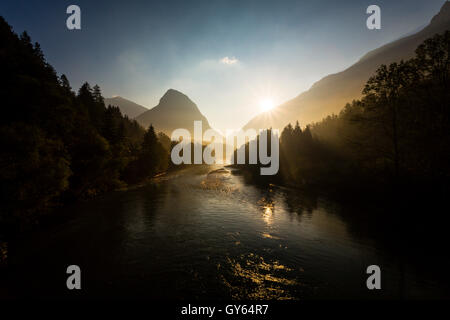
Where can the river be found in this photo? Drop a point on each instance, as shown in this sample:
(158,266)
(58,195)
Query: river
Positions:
(205,234)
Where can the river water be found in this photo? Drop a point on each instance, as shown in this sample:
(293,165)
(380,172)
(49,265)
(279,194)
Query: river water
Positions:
(204,234)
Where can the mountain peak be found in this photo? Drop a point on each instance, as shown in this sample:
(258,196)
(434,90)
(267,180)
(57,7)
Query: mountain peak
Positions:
(175,110)
(174,97)
(173,92)
(443,15)
(177,102)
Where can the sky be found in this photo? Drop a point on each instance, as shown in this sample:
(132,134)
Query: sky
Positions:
(232,58)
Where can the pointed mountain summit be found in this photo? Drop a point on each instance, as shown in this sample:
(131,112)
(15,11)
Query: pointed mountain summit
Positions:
(443,17)
(175,110)
(331,93)
(127,107)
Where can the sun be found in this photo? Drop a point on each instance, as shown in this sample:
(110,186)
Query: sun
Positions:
(266,105)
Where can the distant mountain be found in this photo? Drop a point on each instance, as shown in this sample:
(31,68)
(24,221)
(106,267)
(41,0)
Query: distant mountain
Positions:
(331,93)
(175,110)
(127,107)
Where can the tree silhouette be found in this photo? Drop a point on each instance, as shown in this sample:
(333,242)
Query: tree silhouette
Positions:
(56,146)
(399,131)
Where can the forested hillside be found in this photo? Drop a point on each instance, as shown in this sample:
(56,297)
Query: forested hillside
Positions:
(58,145)
(396,137)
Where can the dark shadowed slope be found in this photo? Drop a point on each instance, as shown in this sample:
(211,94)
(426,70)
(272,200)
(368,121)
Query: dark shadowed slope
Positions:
(331,93)
(127,107)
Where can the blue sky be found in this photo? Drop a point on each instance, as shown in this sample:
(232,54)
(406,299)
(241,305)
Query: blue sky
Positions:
(227,56)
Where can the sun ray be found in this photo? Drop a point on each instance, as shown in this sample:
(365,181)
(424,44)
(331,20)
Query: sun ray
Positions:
(266,104)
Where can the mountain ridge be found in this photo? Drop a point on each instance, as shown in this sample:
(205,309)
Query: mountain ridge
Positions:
(127,107)
(331,93)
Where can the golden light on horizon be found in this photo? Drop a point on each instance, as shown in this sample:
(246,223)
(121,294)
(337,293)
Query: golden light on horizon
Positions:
(266,105)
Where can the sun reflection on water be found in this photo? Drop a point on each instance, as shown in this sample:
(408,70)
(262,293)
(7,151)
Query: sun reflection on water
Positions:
(268,214)
(268,208)
(262,279)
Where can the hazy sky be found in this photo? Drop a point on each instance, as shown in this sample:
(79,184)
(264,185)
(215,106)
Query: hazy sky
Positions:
(226,56)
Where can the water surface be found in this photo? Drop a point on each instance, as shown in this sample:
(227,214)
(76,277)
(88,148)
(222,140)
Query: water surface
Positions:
(204,234)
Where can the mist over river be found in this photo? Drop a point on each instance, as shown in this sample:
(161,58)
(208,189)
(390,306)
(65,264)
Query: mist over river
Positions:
(205,234)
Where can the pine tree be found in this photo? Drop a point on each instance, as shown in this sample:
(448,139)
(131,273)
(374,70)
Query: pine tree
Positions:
(150,141)
(65,83)
(97,94)
(85,93)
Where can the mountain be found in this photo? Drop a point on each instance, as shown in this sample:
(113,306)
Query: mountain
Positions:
(175,110)
(127,107)
(331,93)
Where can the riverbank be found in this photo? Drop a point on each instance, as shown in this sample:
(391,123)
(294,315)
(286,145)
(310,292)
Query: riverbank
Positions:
(57,215)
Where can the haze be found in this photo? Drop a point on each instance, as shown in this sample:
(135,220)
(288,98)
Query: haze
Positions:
(230,57)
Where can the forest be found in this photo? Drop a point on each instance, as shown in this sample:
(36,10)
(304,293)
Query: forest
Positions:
(58,146)
(396,138)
